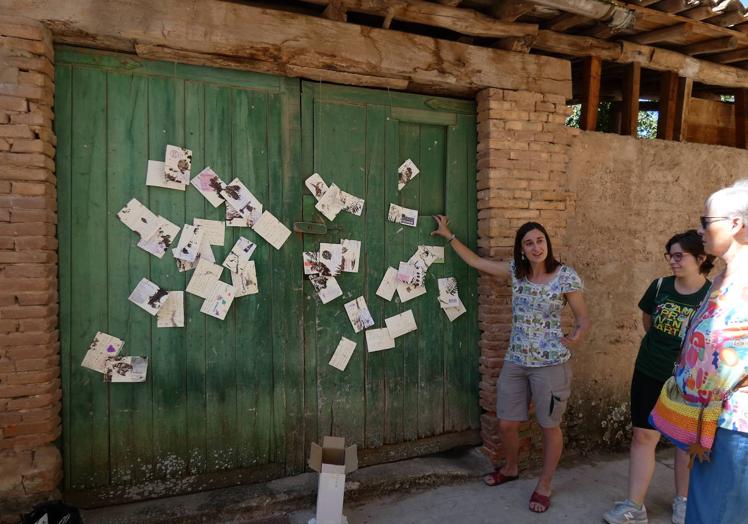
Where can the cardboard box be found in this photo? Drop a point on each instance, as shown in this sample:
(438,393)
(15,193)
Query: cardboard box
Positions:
(333,461)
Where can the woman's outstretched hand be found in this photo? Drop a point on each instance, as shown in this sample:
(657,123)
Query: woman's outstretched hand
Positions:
(442,227)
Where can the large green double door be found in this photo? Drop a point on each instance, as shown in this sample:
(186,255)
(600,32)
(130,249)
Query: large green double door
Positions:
(240,400)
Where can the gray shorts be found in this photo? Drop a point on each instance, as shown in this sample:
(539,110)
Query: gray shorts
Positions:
(548,386)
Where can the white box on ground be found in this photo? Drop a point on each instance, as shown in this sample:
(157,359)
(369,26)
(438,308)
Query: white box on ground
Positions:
(333,461)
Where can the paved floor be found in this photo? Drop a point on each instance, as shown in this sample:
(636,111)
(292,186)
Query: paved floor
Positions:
(583,491)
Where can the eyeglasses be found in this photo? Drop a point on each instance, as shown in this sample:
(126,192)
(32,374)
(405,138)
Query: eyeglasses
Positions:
(675,257)
(705,221)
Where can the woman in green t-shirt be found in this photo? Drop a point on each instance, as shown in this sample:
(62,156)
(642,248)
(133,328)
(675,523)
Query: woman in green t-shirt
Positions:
(667,306)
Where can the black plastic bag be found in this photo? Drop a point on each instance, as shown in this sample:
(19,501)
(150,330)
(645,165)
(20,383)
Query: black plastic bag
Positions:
(52,512)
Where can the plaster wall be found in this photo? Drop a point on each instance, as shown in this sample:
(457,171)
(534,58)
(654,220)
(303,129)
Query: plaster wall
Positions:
(630,196)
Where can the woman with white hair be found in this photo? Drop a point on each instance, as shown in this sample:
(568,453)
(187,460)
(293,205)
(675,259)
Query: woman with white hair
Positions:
(714,363)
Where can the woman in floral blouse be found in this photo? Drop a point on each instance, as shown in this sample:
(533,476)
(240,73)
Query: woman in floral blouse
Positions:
(536,362)
(714,362)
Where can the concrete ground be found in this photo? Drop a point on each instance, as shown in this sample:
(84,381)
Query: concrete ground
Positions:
(439,488)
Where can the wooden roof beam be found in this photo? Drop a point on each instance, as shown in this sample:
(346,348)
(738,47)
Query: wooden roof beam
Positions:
(700,13)
(674,6)
(731,57)
(460,20)
(710,46)
(729,19)
(664,34)
(335,10)
(565,21)
(510,10)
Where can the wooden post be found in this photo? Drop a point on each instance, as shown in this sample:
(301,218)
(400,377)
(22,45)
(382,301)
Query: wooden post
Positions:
(667,104)
(630,106)
(590,93)
(741,118)
(685,86)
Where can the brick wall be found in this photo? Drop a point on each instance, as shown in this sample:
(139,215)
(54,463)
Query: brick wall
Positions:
(30,464)
(522,160)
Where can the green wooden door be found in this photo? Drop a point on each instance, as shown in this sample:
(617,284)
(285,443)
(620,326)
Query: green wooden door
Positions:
(422,395)
(220,404)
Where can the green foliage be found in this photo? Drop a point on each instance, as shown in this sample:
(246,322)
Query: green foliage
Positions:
(647,125)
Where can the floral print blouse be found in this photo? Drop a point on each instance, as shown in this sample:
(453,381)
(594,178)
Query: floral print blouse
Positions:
(715,356)
(536,319)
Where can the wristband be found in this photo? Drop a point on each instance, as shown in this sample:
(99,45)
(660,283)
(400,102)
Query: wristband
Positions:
(450,239)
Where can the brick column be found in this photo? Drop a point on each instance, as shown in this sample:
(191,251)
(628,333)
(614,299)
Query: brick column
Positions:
(30,462)
(522,157)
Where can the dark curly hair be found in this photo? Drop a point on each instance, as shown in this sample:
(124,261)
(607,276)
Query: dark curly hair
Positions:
(692,243)
(522,265)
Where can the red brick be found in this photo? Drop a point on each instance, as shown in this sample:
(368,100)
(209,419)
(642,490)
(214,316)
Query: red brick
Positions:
(35,401)
(23,339)
(27,228)
(26,390)
(24,243)
(26,284)
(29,441)
(33,364)
(22,28)
(29,377)
(27,312)
(4,187)
(8,172)
(35,215)
(36,119)
(9,326)
(17,257)
(38,324)
(37,298)
(12,103)
(27,202)
(31,428)
(15,130)
(28,271)
(41,414)
(41,351)
(33,146)
(32,189)
(27,160)
(7,419)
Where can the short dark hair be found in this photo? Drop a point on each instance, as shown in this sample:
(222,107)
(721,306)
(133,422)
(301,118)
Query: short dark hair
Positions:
(692,243)
(522,265)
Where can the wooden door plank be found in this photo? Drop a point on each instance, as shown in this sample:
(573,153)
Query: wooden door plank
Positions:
(194,329)
(393,360)
(685,87)
(254,313)
(130,427)
(89,458)
(222,431)
(167,371)
(667,105)
(63,126)
(410,147)
(431,182)
(590,93)
(630,106)
(456,334)
(289,396)
(374,247)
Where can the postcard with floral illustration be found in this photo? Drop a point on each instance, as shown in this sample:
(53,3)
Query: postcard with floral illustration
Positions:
(241,252)
(219,301)
(359,314)
(331,257)
(148,296)
(171,313)
(178,164)
(448,295)
(316,186)
(330,205)
(351,254)
(327,288)
(102,347)
(402,215)
(139,218)
(406,172)
(245,279)
(126,369)
(162,238)
(210,185)
(156,177)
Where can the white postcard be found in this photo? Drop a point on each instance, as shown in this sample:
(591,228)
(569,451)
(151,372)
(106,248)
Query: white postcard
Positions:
(102,347)
(406,172)
(177,165)
(351,255)
(448,295)
(205,253)
(139,218)
(388,286)
(204,278)
(352,204)
(358,314)
(316,185)
(171,313)
(312,265)
(401,324)
(189,243)
(242,251)
(236,194)
(214,231)
(210,185)
(219,301)
(410,274)
(155,177)
(379,339)
(162,238)
(245,279)
(409,291)
(148,296)
(272,230)
(327,288)
(126,369)
(403,215)
(425,256)
(454,312)
(342,354)
(330,204)
(331,258)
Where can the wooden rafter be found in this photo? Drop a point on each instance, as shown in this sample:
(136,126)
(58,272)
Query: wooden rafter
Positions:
(336,10)
(630,105)
(565,21)
(664,34)
(667,105)
(674,6)
(464,21)
(738,55)
(685,87)
(590,93)
(510,10)
(710,46)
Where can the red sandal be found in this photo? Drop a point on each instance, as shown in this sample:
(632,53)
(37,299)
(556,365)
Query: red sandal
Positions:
(497,477)
(544,501)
